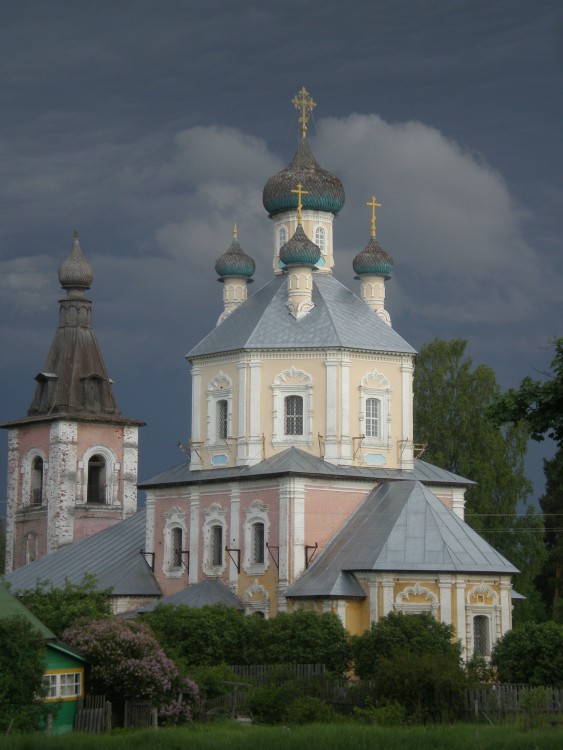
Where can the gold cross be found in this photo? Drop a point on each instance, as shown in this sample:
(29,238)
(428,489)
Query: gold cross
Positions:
(373,204)
(304,102)
(235,232)
(299,192)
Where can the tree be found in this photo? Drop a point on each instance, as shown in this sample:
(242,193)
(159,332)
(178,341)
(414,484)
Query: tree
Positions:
(60,608)
(531,653)
(22,670)
(452,400)
(537,403)
(127,663)
(551,579)
(416,634)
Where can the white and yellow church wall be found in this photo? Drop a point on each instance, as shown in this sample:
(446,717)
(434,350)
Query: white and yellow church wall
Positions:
(317,225)
(454,599)
(334,386)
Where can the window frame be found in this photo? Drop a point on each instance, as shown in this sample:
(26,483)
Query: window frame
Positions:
(175,519)
(58,683)
(292,382)
(374,385)
(255,513)
(215,516)
(219,388)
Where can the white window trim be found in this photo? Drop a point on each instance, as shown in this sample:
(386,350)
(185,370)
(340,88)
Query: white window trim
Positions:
(491,611)
(255,513)
(324,247)
(282,231)
(219,388)
(292,382)
(27,471)
(430,605)
(175,519)
(112,470)
(252,605)
(215,515)
(54,687)
(375,385)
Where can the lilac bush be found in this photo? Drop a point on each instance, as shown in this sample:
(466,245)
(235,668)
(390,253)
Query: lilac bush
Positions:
(127,663)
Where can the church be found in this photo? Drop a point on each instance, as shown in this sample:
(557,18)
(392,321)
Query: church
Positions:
(303,488)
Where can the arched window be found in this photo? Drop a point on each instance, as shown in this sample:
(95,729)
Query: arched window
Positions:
(373,416)
(282,237)
(36,496)
(481,642)
(257,541)
(96,492)
(177,544)
(293,415)
(31,547)
(320,239)
(216,542)
(222,418)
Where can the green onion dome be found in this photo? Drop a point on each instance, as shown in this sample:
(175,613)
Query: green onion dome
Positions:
(75,272)
(324,190)
(235,262)
(373,259)
(299,250)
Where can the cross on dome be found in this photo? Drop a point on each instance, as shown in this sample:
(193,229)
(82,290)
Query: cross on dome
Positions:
(300,192)
(372,203)
(305,103)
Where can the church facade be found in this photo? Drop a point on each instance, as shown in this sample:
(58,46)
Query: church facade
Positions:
(303,489)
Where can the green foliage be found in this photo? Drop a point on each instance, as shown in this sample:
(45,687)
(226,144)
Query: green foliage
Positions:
(307,637)
(61,608)
(218,634)
(22,666)
(127,663)
(386,715)
(452,403)
(531,653)
(269,703)
(551,579)
(309,709)
(213,680)
(539,404)
(416,634)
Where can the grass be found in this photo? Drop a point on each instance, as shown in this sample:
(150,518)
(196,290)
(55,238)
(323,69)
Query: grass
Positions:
(342,736)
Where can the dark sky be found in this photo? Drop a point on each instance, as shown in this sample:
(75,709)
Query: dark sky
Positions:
(153,126)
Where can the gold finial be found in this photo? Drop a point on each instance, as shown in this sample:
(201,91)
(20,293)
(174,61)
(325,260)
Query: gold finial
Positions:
(373,204)
(235,231)
(299,192)
(303,102)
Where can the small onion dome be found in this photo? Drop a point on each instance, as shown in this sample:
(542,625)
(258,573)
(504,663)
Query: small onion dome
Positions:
(75,272)
(324,190)
(373,259)
(235,262)
(299,250)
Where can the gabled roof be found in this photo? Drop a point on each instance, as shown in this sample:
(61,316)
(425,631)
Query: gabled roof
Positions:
(399,526)
(10,607)
(297,461)
(112,555)
(339,320)
(203,594)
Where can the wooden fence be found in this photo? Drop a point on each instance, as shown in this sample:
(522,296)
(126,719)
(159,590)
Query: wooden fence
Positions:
(260,673)
(505,702)
(93,714)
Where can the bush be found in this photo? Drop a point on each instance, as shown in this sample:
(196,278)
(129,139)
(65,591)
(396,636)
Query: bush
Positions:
(531,653)
(386,715)
(308,709)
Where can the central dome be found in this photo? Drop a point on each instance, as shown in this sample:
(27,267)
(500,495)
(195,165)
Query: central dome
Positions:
(324,190)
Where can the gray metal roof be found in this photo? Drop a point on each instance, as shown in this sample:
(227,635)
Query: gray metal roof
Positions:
(339,320)
(297,461)
(112,555)
(203,594)
(399,526)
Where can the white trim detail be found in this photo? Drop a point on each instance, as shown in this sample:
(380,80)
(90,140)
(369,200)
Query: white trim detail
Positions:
(219,388)
(292,382)
(111,475)
(377,386)
(175,519)
(260,605)
(430,603)
(215,515)
(27,471)
(255,513)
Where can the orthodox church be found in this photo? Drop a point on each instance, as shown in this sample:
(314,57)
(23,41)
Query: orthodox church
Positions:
(302,488)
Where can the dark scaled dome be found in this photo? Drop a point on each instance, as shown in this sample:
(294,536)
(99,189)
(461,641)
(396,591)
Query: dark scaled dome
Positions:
(373,259)
(299,250)
(235,262)
(324,190)
(75,272)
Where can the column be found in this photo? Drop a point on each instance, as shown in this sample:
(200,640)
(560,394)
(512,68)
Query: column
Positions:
(194,535)
(195,460)
(345,441)
(331,444)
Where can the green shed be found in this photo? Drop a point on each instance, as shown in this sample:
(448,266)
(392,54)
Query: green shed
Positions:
(64,667)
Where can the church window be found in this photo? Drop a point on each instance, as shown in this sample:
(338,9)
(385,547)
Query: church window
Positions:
(375,410)
(36,497)
(222,423)
(293,415)
(373,406)
(320,239)
(31,547)
(216,545)
(481,643)
(257,543)
(96,489)
(292,412)
(256,528)
(177,540)
(282,237)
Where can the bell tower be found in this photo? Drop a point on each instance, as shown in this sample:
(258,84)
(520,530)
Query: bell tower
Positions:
(72,461)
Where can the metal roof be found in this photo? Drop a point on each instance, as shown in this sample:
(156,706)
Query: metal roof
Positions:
(203,594)
(297,461)
(339,320)
(112,555)
(399,526)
